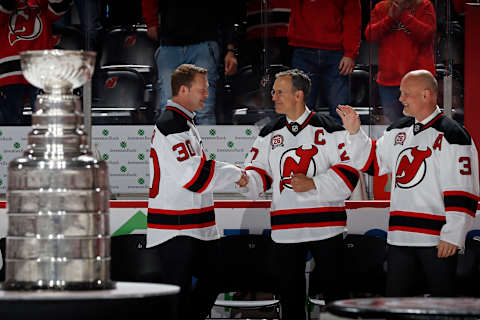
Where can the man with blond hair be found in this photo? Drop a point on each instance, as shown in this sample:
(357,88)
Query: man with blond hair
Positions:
(434,195)
(181,224)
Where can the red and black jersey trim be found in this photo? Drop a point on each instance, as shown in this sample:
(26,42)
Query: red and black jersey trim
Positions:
(371,166)
(348,174)
(10,66)
(416,222)
(181,219)
(308,218)
(202,177)
(460,201)
(180,112)
(266,179)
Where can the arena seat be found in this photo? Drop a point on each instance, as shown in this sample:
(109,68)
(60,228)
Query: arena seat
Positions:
(68,38)
(131,261)
(118,96)
(246,266)
(129,46)
(250,97)
(364,268)
(468,268)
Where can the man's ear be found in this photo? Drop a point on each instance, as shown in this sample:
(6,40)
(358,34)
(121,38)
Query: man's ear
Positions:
(299,95)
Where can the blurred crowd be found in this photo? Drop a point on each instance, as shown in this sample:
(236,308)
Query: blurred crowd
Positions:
(355,52)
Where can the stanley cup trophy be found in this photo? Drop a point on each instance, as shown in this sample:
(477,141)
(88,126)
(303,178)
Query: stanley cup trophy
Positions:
(58,193)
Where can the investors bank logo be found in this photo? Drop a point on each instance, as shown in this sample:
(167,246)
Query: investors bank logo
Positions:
(1,158)
(212,156)
(105,156)
(123,169)
(141,156)
(1,133)
(105,132)
(212,132)
(1,182)
(123,144)
(141,132)
(141,181)
(17,145)
(248,132)
(230,144)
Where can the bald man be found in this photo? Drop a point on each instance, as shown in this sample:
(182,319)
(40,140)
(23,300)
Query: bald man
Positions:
(434,193)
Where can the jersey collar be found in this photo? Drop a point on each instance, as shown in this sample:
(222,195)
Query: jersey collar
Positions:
(181,110)
(296,126)
(428,121)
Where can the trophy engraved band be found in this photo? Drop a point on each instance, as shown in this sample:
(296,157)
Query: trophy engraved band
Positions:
(58,193)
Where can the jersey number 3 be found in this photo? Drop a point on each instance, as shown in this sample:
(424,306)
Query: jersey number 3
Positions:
(184,150)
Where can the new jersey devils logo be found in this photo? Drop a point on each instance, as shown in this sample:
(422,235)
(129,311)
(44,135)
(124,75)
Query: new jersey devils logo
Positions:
(25,24)
(411,167)
(296,161)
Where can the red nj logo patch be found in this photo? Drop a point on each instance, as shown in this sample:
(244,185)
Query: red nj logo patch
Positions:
(411,167)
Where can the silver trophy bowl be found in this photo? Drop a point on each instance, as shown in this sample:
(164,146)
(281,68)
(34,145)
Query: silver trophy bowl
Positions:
(58,193)
(57,70)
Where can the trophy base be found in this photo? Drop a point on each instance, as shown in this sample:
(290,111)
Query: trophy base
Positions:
(74,286)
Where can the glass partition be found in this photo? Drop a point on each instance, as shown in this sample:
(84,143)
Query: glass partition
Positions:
(123,91)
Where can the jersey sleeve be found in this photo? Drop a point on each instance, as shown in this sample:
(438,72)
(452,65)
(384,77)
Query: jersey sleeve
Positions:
(340,179)
(194,171)
(458,171)
(369,155)
(258,168)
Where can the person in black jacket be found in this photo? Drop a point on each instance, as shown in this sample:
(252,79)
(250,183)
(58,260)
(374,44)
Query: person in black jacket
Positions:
(187,32)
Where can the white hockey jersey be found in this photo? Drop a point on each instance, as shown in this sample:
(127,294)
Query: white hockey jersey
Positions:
(315,147)
(434,166)
(182,180)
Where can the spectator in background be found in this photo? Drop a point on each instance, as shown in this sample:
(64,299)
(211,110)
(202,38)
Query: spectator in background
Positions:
(24,25)
(404,31)
(188,33)
(89,12)
(326,39)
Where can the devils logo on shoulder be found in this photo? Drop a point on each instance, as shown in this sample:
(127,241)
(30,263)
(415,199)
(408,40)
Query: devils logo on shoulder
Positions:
(400,138)
(297,160)
(411,167)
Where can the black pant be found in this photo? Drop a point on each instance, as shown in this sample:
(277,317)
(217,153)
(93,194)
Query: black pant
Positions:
(410,266)
(182,258)
(290,261)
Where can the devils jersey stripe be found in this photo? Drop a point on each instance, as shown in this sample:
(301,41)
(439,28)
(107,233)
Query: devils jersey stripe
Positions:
(181,220)
(421,222)
(460,201)
(267,181)
(202,177)
(10,66)
(432,121)
(348,174)
(305,218)
(371,166)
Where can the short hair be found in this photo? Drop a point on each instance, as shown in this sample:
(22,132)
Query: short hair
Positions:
(184,76)
(426,78)
(300,81)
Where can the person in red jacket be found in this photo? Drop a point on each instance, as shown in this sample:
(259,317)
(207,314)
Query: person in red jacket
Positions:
(24,25)
(326,36)
(404,31)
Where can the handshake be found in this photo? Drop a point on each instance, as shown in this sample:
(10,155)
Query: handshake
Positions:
(243,181)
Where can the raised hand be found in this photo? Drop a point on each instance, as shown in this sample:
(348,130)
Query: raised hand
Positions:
(350,118)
